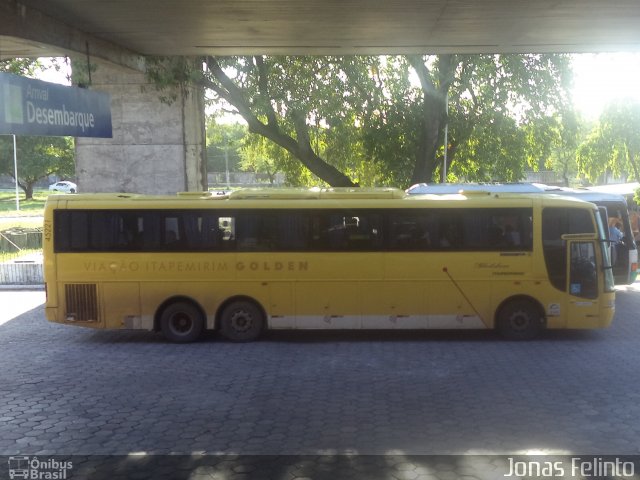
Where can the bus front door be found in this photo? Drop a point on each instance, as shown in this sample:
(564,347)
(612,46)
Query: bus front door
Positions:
(583,308)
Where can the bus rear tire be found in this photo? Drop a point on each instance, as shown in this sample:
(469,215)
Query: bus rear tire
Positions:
(242,321)
(181,322)
(520,320)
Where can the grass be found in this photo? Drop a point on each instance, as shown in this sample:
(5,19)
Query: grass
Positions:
(33,207)
(12,256)
(30,210)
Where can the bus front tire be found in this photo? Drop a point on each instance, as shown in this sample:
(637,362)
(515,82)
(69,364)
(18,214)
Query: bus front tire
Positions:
(241,321)
(520,320)
(181,322)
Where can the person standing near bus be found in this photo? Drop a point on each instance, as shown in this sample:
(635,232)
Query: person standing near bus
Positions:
(615,236)
(634,218)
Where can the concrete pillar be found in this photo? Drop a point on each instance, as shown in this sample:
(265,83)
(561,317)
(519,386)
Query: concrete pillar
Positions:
(157,148)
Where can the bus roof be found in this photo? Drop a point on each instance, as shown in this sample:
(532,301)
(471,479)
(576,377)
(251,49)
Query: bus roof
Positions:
(298,198)
(589,195)
(440,188)
(625,189)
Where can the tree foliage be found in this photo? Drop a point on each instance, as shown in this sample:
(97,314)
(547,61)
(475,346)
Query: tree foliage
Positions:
(613,145)
(31,67)
(562,135)
(38,157)
(380,120)
(224,143)
(20,66)
(280,98)
(496,104)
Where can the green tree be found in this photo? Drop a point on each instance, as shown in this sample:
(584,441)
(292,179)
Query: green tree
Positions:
(292,101)
(31,67)
(224,142)
(361,119)
(21,66)
(261,155)
(280,97)
(491,100)
(38,157)
(613,145)
(563,134)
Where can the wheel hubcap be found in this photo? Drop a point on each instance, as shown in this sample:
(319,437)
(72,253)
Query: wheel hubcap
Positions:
(181,323)
(520,321)
(241,321)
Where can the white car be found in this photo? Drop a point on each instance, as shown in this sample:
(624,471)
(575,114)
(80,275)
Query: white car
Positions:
(64,186)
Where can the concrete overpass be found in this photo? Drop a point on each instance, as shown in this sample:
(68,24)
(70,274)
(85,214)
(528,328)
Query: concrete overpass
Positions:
(230,27)
(157,148)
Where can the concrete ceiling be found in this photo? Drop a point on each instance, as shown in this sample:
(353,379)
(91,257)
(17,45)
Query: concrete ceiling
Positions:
(198,27)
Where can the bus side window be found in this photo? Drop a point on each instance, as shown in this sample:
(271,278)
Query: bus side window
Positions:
(114,231)
(364,232)
(497,229)
(201,230)
(336,232)
(355,231)
(451,236)
(227,232)
(255,232)
(409,232)
(150,233)
(172,236)
(292,231)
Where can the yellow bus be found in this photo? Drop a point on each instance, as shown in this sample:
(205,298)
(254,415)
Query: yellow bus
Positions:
(614,208)
(253,260)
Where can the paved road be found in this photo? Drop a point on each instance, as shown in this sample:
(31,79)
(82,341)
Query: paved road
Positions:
(73,391)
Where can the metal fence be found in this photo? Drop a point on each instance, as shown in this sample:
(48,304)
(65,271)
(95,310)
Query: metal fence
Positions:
(21,257)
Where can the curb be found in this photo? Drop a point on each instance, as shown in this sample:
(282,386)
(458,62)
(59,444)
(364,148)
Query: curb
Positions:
(21,287)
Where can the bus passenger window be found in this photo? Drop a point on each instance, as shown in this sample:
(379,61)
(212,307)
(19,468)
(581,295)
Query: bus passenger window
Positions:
(450,235)
(409,233)
(226,229)
(255,232)
(292,231)
(351,232)
(172,237)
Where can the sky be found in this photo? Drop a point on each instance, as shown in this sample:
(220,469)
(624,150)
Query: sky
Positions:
(602,78)
(598,80)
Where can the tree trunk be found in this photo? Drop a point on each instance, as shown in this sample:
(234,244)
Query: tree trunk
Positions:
(306,155)
(426,164)
(433,114)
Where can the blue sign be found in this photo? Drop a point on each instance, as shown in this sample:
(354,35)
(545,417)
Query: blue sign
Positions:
(34,107)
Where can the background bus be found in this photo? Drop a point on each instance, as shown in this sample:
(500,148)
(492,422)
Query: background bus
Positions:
(628,191)
(325,259)
(625,253)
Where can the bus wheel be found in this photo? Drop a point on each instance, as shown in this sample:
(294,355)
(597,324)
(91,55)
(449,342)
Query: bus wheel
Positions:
(241,321)
(181,322)
(520,320)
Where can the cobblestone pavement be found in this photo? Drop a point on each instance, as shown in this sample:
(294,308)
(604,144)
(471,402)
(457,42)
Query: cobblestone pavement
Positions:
(74,391)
